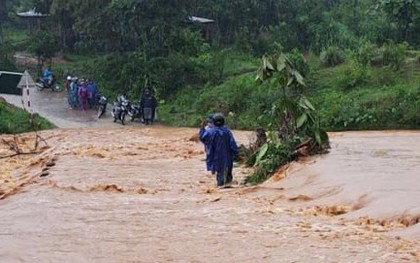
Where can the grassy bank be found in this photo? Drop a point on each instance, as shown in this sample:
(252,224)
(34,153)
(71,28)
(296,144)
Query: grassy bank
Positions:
(383,98)
(15,120)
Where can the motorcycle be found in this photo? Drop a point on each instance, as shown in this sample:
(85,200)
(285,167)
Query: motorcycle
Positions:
(134,111)
(120,110)
(42,84)
(101,103)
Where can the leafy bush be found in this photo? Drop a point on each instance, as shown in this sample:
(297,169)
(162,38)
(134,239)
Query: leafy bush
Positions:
(345,112)
(355,75)
(366,53)
(332,56)
(6,57)
(268,159)
(43,44)
(394,55)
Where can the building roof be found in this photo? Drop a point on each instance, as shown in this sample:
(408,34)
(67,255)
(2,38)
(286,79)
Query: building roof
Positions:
(31,13)
(9,82)
(201,20)
(13,82)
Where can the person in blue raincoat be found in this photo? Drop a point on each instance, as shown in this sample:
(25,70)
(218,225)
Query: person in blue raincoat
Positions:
(222,149)
(207,124)
(47,75)
(92,90)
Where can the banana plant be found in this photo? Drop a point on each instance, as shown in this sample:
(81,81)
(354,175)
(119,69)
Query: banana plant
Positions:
(295,123)
(293,114)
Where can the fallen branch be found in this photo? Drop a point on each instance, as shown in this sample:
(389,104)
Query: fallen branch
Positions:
(20,153)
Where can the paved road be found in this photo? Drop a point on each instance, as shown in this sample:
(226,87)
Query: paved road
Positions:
(54,107)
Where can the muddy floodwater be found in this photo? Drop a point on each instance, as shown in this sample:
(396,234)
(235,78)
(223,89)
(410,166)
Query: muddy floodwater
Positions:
(97,191)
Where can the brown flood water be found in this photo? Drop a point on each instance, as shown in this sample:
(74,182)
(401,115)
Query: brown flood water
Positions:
(108,193)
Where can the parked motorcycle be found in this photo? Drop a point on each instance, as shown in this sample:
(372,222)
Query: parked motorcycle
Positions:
(101,103)
(120,109)
(134,111)
(47,84)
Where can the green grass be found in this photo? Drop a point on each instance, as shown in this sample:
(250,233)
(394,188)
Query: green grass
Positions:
(239,63)
(15,120)
(386,99)
(15,36)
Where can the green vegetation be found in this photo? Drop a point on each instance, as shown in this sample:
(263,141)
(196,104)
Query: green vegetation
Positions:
(383,95)
(14,120)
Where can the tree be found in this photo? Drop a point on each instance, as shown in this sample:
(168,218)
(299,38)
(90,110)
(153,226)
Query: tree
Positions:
(404,13)
(44,45)
(295,128)
(3,16)
(293,114)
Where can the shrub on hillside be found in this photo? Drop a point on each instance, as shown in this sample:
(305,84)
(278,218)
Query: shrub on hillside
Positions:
(366,53)
(393,55)
(6,57)
(332,56)
(355,74)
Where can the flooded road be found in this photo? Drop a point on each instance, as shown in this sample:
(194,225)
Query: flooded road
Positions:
(54,106)
(109,193)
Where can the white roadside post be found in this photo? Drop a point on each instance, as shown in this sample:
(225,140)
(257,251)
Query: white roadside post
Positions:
(26,85)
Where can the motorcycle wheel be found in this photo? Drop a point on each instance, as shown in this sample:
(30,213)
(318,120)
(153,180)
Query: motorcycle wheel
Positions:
(55,87)
(40,87)
(100,111)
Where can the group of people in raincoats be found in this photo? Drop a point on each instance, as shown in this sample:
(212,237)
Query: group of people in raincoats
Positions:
(220,147)
(82,93)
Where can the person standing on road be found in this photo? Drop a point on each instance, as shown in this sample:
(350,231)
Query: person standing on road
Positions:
(92,90)
(83,96)
(148,105)
(68,82)
(73,102)
(222,149)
